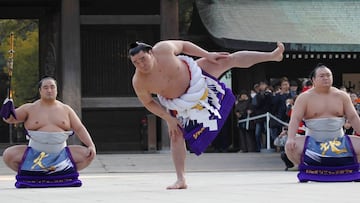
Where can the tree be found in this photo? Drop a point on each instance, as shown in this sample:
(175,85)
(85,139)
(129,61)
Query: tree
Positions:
(26,60)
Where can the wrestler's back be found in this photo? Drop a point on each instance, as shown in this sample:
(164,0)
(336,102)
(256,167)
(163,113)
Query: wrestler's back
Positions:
(54,118)
(170,77)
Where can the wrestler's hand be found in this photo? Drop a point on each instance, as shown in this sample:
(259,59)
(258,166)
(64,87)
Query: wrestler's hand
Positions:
(7,109)
(215,56)
(290,144)
(174,126)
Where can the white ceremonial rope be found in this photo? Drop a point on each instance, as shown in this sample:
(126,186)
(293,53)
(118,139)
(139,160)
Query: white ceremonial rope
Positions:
(194,93)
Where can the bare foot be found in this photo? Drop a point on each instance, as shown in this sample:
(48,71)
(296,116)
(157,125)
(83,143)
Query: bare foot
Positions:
(180,184)
(278,52)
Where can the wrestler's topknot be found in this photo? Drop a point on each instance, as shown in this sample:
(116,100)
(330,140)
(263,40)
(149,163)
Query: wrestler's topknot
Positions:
(46,78)
(313,73)
(136,47)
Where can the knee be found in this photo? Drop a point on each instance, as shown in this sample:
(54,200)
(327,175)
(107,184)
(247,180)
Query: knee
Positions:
(7,155)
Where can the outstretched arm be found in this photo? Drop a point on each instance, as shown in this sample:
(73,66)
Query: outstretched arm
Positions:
(154,107)
(189,48)
(21,114)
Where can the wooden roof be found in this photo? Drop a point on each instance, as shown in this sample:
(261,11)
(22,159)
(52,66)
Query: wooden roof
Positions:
(303,25)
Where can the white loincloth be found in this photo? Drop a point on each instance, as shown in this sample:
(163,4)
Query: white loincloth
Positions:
(200,101)
(323,129)
(49,142)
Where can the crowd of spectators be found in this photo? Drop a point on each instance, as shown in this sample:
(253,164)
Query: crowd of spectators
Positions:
(277,99)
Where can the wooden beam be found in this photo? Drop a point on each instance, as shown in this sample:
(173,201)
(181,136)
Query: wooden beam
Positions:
(111,102)
(120,19)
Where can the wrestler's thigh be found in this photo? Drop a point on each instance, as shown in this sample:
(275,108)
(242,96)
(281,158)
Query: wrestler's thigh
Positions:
(78,153)
(213,69)
(14,153)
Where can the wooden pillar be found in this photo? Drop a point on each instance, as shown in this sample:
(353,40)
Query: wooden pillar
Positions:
(169,29)
(169,12)
(70,55)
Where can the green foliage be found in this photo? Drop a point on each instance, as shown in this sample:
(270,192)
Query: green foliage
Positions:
(19,27)
(26,57)
(185,14)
